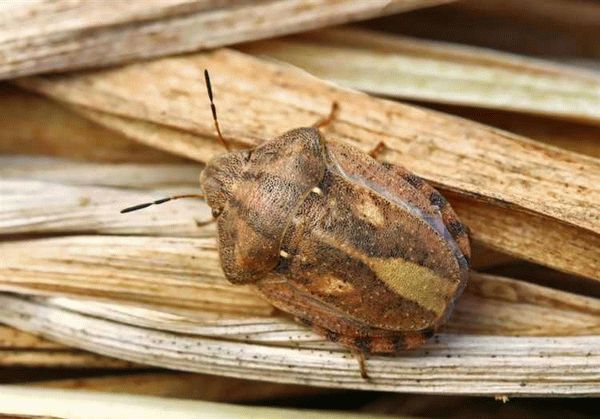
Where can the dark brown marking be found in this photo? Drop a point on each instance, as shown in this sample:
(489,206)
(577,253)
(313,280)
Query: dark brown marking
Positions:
(468,260)
(456,228)
(428,333)
(438,200)
(332,336)
(284,264)
(363,344)
(305,322)
(399,345)
(414,180)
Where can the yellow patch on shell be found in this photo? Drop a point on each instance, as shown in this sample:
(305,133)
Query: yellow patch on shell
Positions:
(370,211)
(413,282)
(409,280)
(330,284)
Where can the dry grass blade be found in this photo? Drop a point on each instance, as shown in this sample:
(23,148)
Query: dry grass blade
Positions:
(60,403)
(541,240)
(258,100)
(544,28)
(178,285)
(53,196)
(184,385)
(32,124)
(49,35)
(562,13)
(570,135)
(22,349)
(122,175)
(148,270)
(17,339)
(67,358)
(439,72)
(454,364)
(49,208)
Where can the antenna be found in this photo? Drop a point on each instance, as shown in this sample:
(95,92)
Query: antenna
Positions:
(214,110)
(172,198)
(158,202)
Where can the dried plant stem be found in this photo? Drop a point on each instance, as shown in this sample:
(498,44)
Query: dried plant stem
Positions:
(69,358)
(541,240)
(70,209)
(32,124)
(409,68)
(55,35)
(184,385)
(22,349)
(94,405)
(573,136)
(454,364)
(17,339)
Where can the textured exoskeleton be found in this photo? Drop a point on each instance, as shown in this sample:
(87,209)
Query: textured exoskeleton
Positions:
(367,253)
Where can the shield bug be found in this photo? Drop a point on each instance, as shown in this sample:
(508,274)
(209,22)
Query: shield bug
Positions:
(366,253)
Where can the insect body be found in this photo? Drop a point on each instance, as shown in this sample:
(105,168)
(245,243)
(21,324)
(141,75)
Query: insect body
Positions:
(366,253)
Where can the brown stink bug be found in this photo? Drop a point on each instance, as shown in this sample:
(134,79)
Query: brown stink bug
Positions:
(367,253)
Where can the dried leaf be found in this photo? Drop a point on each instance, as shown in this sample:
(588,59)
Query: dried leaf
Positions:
(68,358)
(17,339)
(87,405)
(161,271)
(118,175)
(52,35)
(32,124)
(409,68)
(544,28)
(454,364)
(188,386)
(50,208)
(541,240)
(22,349)
(570,135)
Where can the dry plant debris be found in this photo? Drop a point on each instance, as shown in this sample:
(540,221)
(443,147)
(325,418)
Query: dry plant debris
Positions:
(149,289)
(51,35)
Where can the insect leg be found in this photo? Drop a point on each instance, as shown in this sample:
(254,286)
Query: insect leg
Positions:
(377,150)
(362,364)
(327,120)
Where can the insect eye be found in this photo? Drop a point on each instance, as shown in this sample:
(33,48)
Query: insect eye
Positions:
(216,212)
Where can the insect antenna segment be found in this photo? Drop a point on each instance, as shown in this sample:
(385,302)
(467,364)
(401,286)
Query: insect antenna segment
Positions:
(158,202)
(214,110)
(221,138)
